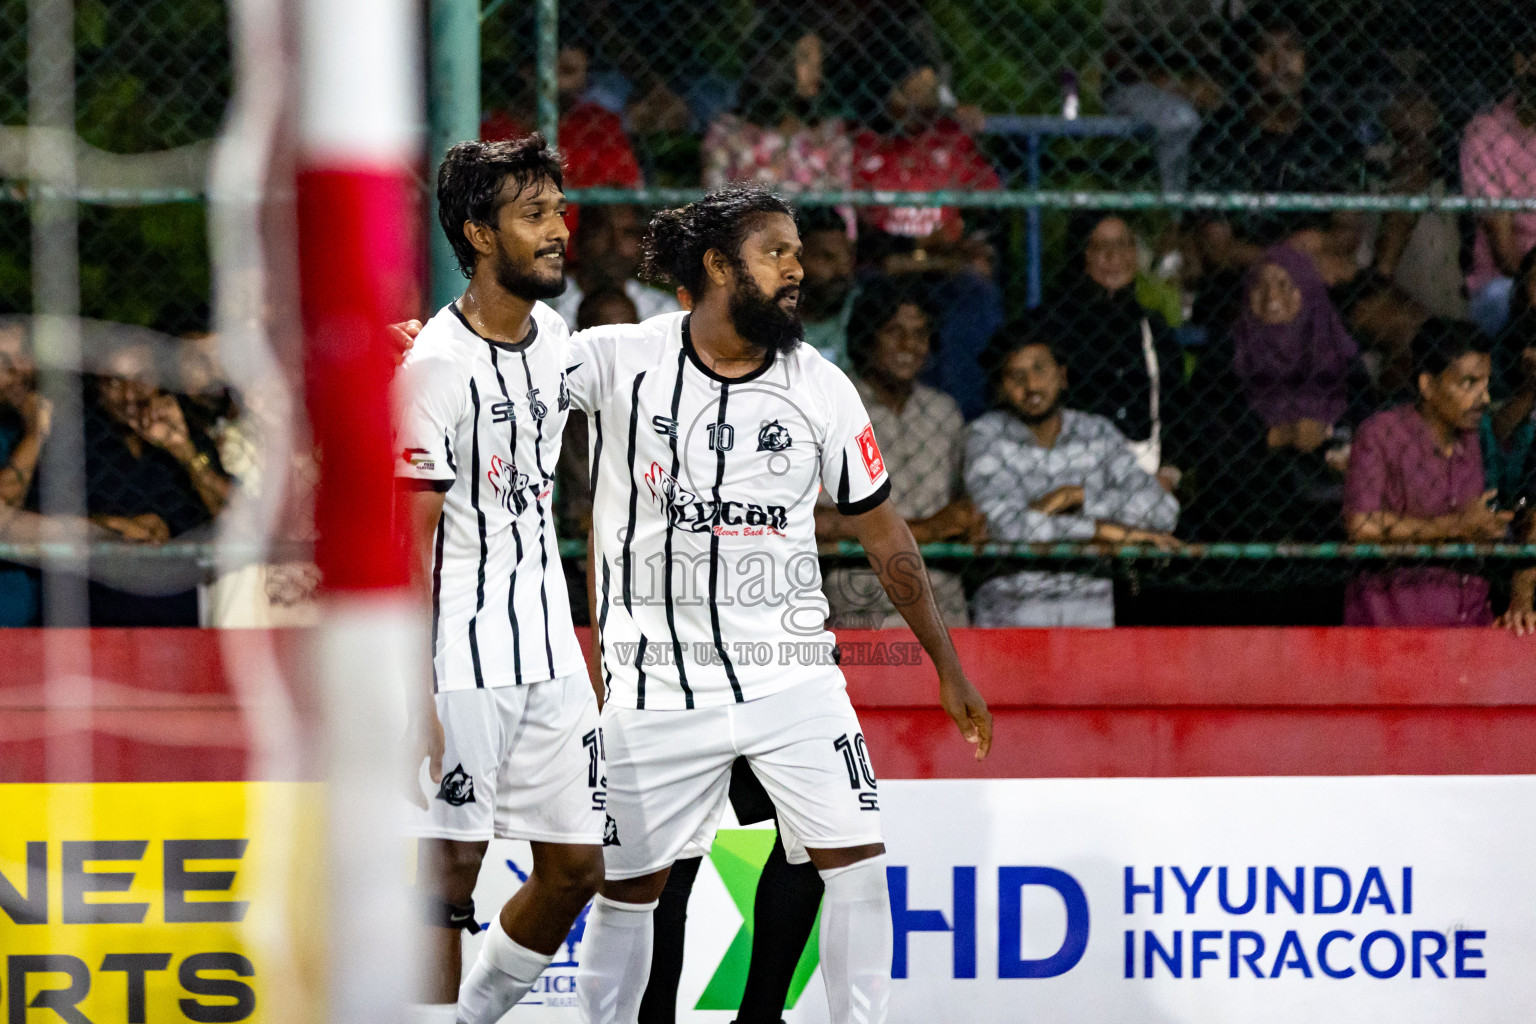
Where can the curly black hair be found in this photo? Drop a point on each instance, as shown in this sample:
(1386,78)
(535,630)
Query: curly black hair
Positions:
(874,305)
(677,240)
(1441,341)
(470,180)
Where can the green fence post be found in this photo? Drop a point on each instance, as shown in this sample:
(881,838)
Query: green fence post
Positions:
(453,112)
(549,56)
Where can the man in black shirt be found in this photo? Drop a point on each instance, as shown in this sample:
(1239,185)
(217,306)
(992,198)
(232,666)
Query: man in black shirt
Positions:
(148,477)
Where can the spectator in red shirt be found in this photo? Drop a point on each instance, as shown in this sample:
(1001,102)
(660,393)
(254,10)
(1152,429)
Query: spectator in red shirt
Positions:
(924,149)
(594,146)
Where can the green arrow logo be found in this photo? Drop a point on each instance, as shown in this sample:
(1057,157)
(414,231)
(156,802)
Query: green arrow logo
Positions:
(739,855)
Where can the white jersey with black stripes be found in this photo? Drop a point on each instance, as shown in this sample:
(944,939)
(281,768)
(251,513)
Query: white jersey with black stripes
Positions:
(704,491)
(482,421)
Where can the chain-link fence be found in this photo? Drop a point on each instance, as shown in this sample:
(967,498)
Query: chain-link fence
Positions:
(1107,178)
(1228,233)
(115,396)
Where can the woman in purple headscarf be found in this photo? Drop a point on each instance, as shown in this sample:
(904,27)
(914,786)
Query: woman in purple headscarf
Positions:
(1270,405)
(1292,352)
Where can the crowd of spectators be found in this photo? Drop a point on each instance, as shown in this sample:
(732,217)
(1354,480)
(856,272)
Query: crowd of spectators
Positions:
(1212,377)
(164,443)
(1216,376)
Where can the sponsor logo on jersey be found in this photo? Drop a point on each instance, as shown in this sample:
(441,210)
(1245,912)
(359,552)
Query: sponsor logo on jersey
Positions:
(536,408)
(773,437)
(869,451)
(503,412)
(418,459)
(458,787)
(666,426)
(686,511)
(564,401)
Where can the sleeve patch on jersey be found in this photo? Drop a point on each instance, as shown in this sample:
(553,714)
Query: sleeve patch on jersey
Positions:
(869,451)
(418,459)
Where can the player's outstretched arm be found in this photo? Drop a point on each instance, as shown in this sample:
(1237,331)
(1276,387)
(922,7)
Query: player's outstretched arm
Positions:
(896,560)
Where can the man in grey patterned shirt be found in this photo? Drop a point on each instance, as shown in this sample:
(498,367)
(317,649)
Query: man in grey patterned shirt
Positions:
(1039,472)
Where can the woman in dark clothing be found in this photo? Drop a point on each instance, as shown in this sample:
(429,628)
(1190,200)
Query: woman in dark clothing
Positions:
(1122,360)
(1274,402)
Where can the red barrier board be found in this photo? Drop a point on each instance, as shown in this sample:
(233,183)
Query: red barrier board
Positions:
(164,705)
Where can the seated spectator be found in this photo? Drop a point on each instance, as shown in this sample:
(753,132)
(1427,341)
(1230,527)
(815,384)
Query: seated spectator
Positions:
(606,257)
(1039,472)
(1154,80)
(1416,265)
(1268,408)
(916,146)
(1292,352)
(1274,134)
(890,334)
(917,142)
(148,477)
(1498,160)
(257,595)
(1508,434)
(785,132)
(25,420)
(1416,475)
(594,146)
(827,290)
(1122,360)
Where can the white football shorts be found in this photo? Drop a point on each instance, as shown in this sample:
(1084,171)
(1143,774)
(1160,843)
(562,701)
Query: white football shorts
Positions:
(669,773)
(519,762)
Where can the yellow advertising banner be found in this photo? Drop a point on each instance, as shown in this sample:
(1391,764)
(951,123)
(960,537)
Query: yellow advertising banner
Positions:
(161,902)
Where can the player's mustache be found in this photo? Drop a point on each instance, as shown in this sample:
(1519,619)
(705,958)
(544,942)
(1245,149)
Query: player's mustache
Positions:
(788,292)
(548,250)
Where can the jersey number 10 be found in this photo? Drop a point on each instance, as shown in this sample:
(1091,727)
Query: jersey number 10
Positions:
(722,437)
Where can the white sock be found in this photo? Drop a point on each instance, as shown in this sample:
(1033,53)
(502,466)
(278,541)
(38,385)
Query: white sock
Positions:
(502,975)
(434,1013)
(615,961)
(856,942)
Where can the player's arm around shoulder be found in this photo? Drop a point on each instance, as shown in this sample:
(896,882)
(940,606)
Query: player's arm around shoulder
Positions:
(894,555)
(600,356)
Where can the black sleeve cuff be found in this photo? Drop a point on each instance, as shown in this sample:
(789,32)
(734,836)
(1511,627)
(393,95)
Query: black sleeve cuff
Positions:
(406,483)
(869,504)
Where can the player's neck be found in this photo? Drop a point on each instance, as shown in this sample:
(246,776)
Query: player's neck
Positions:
(493,311)
(718,345)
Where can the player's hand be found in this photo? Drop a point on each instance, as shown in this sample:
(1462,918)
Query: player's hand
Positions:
(425,741)
(403,336)
(963,702)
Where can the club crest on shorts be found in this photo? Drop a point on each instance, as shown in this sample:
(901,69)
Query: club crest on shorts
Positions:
(458,787)
(773,437)
(611,832)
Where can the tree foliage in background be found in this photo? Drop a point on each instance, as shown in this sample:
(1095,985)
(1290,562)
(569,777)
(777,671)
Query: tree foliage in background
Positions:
(150,75)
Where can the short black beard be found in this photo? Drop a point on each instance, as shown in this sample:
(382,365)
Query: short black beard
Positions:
(523,282)
(1039,418)
(761,321)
